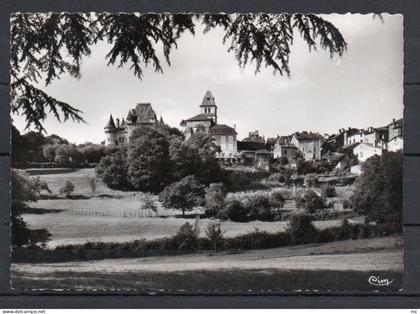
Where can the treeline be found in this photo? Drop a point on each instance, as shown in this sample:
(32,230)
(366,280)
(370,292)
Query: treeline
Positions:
(34,149)
(157,157)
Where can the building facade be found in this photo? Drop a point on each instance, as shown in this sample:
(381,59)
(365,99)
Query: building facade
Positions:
(223,135)
(308,143)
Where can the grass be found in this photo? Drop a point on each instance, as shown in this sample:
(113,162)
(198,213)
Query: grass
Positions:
(115,216)
(319,267)
(221,281)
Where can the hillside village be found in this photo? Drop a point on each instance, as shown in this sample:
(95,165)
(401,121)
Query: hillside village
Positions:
(255,149)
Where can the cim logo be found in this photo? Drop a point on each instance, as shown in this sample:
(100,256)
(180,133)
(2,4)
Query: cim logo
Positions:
(378,281)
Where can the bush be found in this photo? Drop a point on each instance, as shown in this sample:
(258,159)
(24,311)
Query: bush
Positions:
(276,178)
(276,199)
(235,211)
(259,207)
(67,189)
(215,235)
(237,180)
(186,239)
(215,199)
(301,229)
(93,182)
(310,201)
(347,204)
(147,203)
(328,191)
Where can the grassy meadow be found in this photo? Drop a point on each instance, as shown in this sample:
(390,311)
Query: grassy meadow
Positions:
(116,216)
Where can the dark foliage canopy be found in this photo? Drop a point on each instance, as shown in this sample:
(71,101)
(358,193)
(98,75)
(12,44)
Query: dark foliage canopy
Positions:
(378,193)
(46,46)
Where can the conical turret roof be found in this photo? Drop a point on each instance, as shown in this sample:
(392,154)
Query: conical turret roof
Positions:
(110,124)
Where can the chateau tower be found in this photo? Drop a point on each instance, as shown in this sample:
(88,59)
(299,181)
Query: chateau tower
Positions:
(208,106)
(111,132)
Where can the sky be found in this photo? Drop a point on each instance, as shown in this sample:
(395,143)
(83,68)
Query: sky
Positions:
(362,88)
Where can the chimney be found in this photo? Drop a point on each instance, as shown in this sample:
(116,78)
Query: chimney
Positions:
(234,126)
(118,122)
(393,120)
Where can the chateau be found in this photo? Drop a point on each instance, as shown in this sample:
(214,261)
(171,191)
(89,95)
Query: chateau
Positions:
(118,132)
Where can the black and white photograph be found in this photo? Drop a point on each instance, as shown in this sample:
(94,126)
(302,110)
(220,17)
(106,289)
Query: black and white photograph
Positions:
(206,153)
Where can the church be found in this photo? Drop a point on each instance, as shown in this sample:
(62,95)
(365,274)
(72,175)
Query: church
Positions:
(118,132)
(223,135)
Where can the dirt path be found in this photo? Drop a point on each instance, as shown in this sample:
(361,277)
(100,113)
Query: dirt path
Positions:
(380,254)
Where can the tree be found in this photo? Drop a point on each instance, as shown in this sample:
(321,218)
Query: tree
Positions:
(67,189)
(45,46)
(48,150)
(147,159)
(208,170)
(93,183)
(301,229)
(215,234)
(24,190)
(378,190)
(310,201)
(215,199)
(147,203)
(183,195)
(113,170)
(186,238)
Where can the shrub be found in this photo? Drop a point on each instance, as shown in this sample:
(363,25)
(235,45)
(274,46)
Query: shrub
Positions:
(259,207)
(215,235)
(301,229)
(310,201)
(93,182)
(236,211)
(276,178)
(215,199)
(183,195)
(347,204)
(277,199)
(186,239)
(67,189)
(147,203)
(328,191)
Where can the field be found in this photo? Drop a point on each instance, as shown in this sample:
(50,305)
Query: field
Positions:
(115,216)
(305,267)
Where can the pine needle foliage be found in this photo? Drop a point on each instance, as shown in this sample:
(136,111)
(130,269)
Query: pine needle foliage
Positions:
(44,46)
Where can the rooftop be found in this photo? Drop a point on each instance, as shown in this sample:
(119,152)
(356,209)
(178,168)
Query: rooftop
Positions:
(303,136)
(222,129)
(208,100)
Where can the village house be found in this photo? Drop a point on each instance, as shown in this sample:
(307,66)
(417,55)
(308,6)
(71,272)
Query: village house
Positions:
(336,141)
(253,153)
(363,151)
(395,135)
(283,148)
(308,143)
(206,121)
(118,132)
(254,137)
